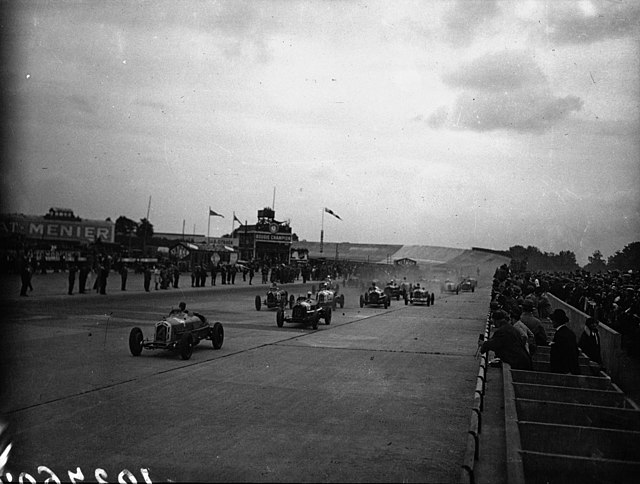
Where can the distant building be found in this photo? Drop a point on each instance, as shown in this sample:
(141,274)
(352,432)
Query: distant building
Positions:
(268,240)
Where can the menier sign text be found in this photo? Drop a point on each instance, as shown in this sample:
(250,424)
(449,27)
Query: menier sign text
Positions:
(40,228)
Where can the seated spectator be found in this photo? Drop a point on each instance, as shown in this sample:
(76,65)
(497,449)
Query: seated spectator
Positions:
(525,333)
(590,340)
(564,348)
(507,344)
(533,323)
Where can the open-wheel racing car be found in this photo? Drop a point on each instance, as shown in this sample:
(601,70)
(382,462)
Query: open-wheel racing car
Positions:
(275,298)
(450,286)
(375,297)
(419,295)
(306,311)
(178,332)
(467,285)
(328,296)
(393,290)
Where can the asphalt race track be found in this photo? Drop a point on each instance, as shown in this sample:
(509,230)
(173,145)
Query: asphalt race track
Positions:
(376,396)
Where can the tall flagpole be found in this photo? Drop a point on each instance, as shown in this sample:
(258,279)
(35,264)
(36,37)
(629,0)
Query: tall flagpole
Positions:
(233,223)
(208,223)
(273,206)
(322,233)
(144,240)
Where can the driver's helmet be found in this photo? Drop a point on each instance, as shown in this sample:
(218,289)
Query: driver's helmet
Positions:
(309,294)
(323,285)
(274,285)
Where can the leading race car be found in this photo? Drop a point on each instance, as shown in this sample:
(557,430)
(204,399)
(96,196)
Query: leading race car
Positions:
(450,286)
(419,295)
(328,295)
(275,298)
(306,311)
(179,332)
(375,296)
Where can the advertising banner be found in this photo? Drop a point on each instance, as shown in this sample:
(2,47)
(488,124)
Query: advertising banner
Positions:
(41,228)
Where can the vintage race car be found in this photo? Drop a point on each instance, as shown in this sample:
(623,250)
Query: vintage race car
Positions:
(420,295)
(467,285)
(275,298)
(328,296)
(393,290)
(450,286)
(306,311)
(178,332)
(375,296)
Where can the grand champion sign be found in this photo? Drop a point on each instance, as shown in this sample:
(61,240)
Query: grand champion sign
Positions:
(269,237)
(41,228)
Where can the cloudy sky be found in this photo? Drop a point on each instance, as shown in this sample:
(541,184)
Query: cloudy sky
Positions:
(440,123)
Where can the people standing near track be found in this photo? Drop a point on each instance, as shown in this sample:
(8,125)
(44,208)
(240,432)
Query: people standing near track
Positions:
(506,343)
(215,268)
(82,278)
(73,269)
(176,275)
(147,278)
(223,274)
(233,270)
(124,273)
(25,277)
(564,348)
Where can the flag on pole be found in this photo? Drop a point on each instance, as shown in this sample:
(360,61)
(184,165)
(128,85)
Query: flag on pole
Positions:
(214,214)
(236,219)
(332,213)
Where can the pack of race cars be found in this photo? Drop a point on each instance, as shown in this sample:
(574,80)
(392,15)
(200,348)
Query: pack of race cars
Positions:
(182,330)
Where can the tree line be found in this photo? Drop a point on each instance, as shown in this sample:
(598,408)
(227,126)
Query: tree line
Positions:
(533,259)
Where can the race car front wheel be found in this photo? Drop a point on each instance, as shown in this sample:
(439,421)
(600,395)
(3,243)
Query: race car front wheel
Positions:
(258,303)
(280,318)
(135,341)
(217,336)
(186,346)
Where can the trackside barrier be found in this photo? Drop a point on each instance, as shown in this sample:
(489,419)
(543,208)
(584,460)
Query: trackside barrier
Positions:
(472,452)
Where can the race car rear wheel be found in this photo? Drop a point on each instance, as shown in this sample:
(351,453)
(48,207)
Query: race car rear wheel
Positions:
(135,341)
(327,316)
(217,336)
(433,298)
(406,301)
(258,303)
(280,318)
(316,319)
(361,301)
(185,346)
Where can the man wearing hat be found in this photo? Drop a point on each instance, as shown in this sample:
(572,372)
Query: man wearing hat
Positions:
(564,348)
(506,343)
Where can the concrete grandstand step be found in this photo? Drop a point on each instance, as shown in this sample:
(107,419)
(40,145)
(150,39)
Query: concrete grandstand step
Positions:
(580,441)
(553,393)
(582,415)
(557,379)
